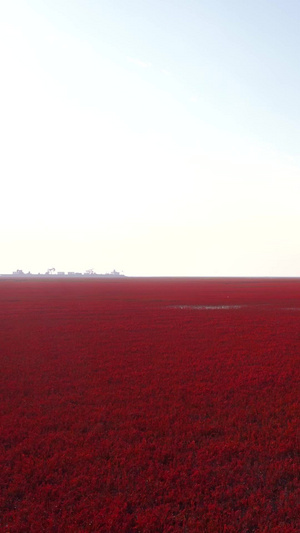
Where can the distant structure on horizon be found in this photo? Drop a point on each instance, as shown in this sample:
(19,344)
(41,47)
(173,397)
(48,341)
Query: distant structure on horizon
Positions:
(51,272)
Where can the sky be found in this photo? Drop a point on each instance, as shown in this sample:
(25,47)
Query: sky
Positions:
(157,138)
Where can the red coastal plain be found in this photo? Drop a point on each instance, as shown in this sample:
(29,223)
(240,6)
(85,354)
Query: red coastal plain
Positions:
(149,405)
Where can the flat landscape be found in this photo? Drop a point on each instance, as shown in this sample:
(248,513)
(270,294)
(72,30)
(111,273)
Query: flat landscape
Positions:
(150,405)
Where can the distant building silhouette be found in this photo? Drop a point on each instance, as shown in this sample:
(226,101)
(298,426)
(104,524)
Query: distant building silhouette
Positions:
(52,272)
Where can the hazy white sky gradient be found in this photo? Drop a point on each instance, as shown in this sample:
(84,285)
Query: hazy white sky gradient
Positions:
(155,137)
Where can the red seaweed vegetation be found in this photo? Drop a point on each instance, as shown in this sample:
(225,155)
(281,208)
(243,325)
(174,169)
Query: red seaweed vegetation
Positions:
(150,405)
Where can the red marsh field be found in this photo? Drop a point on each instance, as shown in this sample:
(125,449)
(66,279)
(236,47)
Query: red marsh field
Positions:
(149,405)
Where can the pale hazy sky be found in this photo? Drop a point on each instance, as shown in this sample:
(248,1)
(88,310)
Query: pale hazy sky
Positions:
(156,137)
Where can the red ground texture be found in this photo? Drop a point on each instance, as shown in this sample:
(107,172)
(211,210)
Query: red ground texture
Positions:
(126,409)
